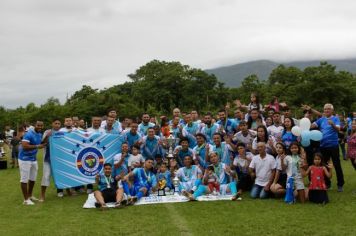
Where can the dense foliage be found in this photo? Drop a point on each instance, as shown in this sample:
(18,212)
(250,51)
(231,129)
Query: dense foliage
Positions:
(159,86)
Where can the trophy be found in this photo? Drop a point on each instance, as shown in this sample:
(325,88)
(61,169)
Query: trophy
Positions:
(171,140)
(176,184)
(3,160)
(161,187)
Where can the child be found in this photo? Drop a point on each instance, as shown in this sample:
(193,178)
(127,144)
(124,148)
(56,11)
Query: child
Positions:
(135,159)
(351,144)
(164,177)
(317,187)
(108,190)
(278,187)
(242,162)
(294,163)
(213,180)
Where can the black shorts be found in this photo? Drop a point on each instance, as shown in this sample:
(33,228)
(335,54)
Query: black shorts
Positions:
(282,180)
(109,195)
(318,196)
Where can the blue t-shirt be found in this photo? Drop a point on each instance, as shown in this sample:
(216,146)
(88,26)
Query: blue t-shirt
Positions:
(105,182)
(131,139)
(288,138)
(229,125)
(143,178)
(330,135)
(33,138)
(142,128)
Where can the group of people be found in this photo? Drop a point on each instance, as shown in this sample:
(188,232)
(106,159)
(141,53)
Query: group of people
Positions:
(254,151)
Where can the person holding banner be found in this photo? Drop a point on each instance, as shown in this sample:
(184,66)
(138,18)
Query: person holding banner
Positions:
(31,142)
(144,181)
(56,125)
(108,191)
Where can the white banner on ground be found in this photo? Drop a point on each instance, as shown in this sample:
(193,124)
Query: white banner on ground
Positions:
(154,199)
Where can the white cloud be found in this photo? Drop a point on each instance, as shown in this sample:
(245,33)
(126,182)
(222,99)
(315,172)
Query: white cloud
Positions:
(51,48)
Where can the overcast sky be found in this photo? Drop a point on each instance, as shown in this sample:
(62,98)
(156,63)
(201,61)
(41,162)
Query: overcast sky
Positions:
(53,47)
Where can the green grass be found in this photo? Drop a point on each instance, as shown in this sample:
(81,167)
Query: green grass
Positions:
(247,217)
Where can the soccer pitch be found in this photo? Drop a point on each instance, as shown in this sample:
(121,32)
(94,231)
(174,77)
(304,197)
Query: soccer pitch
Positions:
(247,217)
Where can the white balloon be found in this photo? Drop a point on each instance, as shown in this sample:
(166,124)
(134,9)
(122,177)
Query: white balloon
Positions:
(304,124)
(296,131)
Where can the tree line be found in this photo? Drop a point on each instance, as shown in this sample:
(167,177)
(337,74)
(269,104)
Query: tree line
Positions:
(159,86)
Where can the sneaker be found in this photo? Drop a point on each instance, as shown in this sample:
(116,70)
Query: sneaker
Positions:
(60,194)
(33,198)
(89,191)
(236,197)
(28,202)
(340,189)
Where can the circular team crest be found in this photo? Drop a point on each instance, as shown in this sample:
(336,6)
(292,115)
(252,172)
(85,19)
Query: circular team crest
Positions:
(90,161)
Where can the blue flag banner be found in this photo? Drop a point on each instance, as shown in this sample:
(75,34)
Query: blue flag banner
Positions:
(77,157)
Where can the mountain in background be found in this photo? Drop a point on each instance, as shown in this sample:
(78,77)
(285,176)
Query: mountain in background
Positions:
(233,75)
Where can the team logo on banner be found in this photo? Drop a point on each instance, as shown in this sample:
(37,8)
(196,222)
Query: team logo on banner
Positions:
(77,157)
(90,161)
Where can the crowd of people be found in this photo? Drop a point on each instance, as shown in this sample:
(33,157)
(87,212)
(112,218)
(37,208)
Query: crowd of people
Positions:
(255,151)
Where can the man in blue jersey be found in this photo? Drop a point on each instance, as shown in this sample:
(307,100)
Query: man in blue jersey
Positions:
(182,150)
(329,125)
(56,125)
(151,145)
(209,129)
(132,137)
(145,124)
(109,127)
(200,151)
(226,180)
(228,125)
(116,124)
(190,130)
(144,181)
(31,142)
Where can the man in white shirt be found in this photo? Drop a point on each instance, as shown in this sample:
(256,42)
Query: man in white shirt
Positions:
(245,135)
(277,128)
(262,168)
(116,125)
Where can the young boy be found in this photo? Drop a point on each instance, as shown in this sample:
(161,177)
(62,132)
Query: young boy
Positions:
(164,177)
(108,189)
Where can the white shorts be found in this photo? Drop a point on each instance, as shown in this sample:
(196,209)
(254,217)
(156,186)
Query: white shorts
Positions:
(28,171)
(298,184)
(46,178)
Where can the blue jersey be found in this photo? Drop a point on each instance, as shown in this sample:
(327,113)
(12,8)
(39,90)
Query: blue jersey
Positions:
(183,153)
(229,126)
(330,135)
(106,182)
(199,154)
(131,138)
(150,148)
(189,131)
(144,178)
(223,152)
(210,131)
(142,128)
(33,138)
(219,170)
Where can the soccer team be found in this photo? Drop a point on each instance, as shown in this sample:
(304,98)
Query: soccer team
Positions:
(255,151)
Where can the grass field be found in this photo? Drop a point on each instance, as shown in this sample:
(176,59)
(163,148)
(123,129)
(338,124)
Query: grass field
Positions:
(247,217)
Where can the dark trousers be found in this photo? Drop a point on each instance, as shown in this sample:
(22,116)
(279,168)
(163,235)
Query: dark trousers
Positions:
(333,153)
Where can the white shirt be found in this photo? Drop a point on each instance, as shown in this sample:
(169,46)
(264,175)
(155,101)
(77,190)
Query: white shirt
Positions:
(263,168)
(99,130)
(135,159)
(287,162)
(240,138)
(243,163)
(275,131)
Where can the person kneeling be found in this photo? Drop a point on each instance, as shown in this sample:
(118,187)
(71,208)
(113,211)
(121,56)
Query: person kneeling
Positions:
(108,190)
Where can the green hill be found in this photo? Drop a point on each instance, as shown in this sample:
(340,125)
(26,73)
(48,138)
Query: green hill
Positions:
(233,75)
